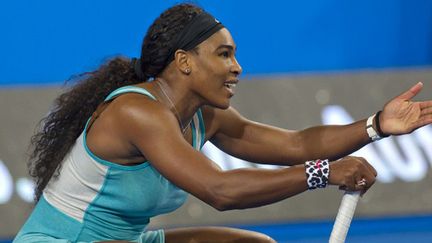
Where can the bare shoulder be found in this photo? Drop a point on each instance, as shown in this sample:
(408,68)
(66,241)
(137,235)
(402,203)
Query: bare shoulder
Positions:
(137,114)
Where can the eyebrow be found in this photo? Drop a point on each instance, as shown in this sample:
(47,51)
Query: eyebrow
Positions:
(227,46)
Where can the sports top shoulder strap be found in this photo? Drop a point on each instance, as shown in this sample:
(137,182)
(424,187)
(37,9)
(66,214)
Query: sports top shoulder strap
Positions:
(111,96)
(128,89)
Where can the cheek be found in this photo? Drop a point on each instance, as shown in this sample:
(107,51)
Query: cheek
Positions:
(209,77)
(215,65)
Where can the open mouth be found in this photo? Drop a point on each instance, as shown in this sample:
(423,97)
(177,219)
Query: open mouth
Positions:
(230,88)
(230,85)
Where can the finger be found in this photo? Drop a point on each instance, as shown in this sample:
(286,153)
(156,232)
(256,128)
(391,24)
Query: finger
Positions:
(369,184)
(425,117)
(359,183)
(426,104)
(369,180)
(364,185)
(369,173)
(360,186)
(350,184)
(426,111)
(425,120)
(368,166)
(371,170)
(413,91)
(364,190)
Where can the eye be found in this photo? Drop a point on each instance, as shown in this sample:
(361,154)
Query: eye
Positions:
(225,54)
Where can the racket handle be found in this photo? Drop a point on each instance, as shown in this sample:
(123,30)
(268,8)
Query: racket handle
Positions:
(344,217)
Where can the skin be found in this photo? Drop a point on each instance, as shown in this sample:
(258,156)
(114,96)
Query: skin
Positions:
(124,127)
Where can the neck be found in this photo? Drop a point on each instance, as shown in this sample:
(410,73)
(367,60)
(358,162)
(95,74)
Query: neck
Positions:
(178,99)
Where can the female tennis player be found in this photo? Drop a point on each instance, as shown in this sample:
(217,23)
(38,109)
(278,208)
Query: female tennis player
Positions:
(122,145)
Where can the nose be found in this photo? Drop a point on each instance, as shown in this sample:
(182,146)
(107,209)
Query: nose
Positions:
(236,68)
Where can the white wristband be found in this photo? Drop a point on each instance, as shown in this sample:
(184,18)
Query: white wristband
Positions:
(373,135)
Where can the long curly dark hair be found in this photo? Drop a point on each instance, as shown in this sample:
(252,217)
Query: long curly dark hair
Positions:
(59,130)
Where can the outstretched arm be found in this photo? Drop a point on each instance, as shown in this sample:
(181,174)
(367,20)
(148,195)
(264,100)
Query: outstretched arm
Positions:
(260,143)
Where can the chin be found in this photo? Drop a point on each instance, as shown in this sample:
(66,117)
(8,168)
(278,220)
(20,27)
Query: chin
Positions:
(222,104)
(224,107)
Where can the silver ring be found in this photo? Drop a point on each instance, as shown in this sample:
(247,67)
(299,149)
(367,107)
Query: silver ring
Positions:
(362,182)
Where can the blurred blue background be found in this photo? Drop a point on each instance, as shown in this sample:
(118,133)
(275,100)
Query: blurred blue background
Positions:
(45,42)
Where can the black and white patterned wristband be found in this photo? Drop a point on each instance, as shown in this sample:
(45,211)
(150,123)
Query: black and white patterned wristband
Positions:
(317,173)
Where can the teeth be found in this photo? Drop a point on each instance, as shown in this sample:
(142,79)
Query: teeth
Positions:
(230,85)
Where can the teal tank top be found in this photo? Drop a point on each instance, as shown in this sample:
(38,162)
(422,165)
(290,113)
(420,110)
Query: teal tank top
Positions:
(94,199)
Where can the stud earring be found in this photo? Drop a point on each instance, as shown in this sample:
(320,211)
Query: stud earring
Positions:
(187,70)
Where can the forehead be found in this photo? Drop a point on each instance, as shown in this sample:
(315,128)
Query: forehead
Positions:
(222,37)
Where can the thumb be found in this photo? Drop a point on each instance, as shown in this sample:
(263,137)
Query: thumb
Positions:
(413,91)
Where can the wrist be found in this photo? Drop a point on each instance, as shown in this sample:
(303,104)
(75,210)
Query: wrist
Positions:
(373,128)
(378,125)
(317,173)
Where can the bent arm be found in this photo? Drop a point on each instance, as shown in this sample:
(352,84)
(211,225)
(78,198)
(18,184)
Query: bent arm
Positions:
(160,140)
(261,143)
(154,131)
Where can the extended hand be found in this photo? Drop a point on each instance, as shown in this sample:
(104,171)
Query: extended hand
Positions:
(401,115)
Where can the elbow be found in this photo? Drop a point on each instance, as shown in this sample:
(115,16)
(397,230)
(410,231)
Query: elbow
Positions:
(221,205)
(221,198)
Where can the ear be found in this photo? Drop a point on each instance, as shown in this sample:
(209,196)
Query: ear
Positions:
(182,61)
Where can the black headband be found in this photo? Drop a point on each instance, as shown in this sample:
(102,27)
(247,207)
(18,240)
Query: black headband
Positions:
(201,27)
(196,31)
